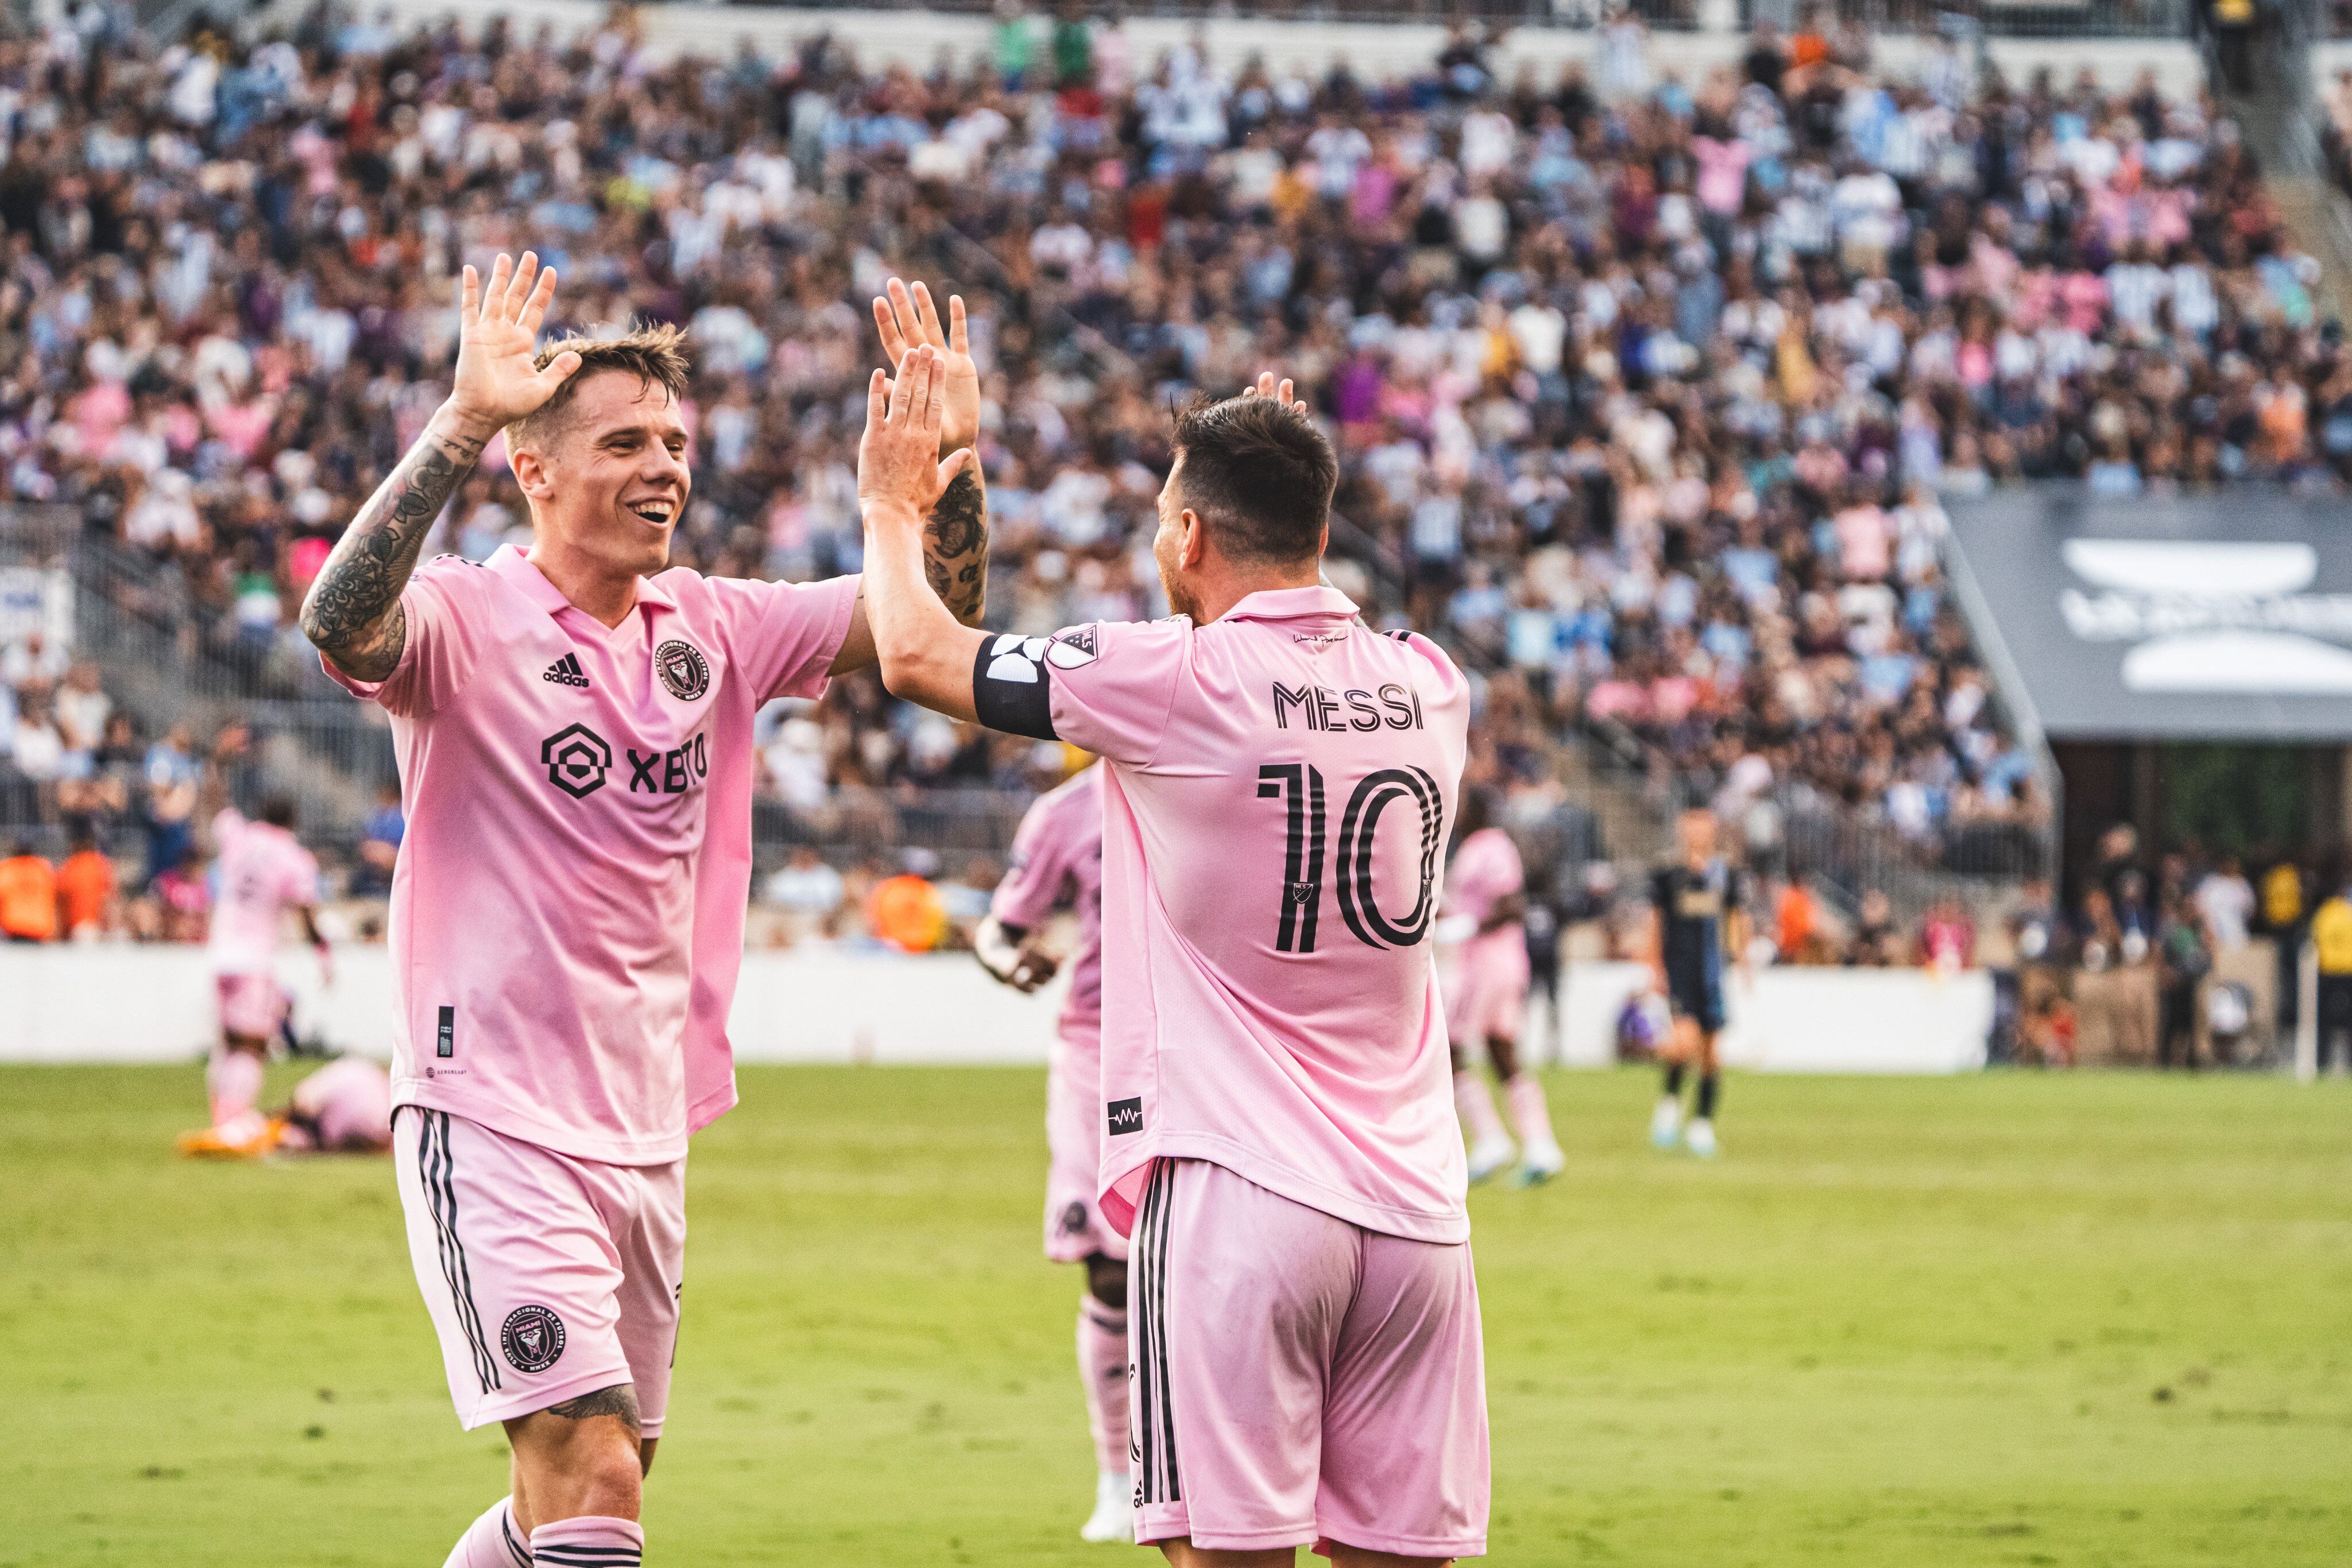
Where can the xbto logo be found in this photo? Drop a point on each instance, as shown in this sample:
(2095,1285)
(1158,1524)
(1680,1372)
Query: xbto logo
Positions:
(577,760)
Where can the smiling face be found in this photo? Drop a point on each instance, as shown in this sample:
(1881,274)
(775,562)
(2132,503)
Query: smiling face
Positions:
(609,480)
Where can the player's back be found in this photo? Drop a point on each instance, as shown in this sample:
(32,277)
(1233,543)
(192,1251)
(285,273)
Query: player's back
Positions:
(1057,864)
(1274,814)
(262,872)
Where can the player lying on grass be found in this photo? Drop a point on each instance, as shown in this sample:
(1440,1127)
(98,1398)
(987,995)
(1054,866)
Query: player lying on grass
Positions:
(1057,863)
(574,724)
(1279,1137)
(1698,920)
(1486,996)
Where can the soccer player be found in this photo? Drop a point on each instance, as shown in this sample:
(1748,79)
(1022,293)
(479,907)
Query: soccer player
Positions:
(1279,1137)
(1697,914)
(343,1108)
(1486,997)
(1057,863)
(263,873)
(573,725)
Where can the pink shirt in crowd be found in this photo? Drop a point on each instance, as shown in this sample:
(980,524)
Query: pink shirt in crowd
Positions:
(1057,864)
(1276,794)
(263,873)
(567,913)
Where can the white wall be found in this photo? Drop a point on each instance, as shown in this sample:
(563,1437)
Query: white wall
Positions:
(1375,49)
(152,1004)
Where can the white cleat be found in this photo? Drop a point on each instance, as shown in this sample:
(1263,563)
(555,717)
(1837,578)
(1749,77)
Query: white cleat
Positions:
(1665,1122)
(1544,1162)
(1491,1155)
(1699,1138)
(1113,1518)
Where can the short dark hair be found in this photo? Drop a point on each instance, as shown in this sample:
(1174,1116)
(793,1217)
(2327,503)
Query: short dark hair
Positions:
(651,353)
(278,811)
(1260,476)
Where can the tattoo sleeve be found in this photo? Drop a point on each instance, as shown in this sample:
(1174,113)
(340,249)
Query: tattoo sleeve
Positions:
(352,612)
(955,547)
(621,1400)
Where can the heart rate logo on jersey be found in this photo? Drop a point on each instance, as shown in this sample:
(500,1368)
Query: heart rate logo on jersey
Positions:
(577,759)
(532,1338)
(685,673)
(1126,1117)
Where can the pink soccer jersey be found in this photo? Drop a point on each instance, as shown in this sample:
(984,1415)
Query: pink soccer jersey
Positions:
(1057,863)
(263,873)
(1277,786)
(1486,870)
(567,913)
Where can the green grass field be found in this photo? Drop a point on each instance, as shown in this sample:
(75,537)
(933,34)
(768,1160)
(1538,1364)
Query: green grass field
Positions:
(2094,1320)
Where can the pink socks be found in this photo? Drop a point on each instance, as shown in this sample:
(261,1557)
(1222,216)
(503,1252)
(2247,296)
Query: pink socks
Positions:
(588,1542)
(233,1079)
(1477,1107)
(1102,1367)
(492,1542)
(1530,1114)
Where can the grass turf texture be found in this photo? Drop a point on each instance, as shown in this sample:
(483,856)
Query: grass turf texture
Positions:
(2094,1320)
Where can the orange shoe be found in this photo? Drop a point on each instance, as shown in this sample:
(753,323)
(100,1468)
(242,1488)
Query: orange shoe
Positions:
(248,1137)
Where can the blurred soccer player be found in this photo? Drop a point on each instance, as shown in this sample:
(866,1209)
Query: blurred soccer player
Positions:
(1280,1140)
(343,1108)
(574,733)
(1697,916)
(1486,996)
(263,873)
(1057,863)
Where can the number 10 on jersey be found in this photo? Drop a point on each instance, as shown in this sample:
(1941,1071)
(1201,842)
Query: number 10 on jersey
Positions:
(1299,786)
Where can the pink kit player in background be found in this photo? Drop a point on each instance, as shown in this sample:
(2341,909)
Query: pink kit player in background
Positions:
(1486,997)
(1278,781)
(1057,864)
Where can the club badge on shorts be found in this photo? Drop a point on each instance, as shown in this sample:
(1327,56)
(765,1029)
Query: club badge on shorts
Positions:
(685,673)
(532,1338)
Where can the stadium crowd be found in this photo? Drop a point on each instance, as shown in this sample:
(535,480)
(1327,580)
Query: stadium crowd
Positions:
(1646,390)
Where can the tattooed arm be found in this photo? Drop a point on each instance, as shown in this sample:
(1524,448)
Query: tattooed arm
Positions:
(352,611)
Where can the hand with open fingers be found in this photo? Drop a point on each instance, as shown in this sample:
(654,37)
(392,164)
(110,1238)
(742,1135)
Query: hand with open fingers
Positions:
(907,319)
(899,472)
(498,334)
(1269,387)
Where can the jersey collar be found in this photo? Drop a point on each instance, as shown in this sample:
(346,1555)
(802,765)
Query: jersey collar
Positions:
(1292,604)
(512,564)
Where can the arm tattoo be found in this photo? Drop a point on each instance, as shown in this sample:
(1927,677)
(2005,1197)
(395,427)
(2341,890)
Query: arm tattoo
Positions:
(955,547)
(352,612)
(621,1400)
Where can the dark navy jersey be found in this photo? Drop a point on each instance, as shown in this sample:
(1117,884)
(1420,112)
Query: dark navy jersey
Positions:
(1692,908)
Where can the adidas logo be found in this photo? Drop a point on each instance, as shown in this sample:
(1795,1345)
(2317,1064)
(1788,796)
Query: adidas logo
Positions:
(566,671)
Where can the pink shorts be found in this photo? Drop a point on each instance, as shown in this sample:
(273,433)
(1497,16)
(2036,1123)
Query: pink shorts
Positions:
(1075,1228)
(1487,993)
(548,1276)
(1298,1379)
(251,1006)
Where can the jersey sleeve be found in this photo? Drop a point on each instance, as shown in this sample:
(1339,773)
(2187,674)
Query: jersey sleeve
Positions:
(1031,890)
(783,636)
(1108,688)
(447,605)
(301,885)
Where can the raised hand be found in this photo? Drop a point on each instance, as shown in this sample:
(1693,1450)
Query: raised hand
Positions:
(498,334)
(1267,387)
(907,319)
(900,473)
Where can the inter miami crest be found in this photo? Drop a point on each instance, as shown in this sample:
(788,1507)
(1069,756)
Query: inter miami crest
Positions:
(684,673)
(532,1338)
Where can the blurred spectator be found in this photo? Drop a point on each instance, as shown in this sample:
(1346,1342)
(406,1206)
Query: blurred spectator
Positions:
(29,895)
(2183,960)
(2225,899)
(87,889)
(1947,937)
(809,892)
(1875,943)
(2331,937)
(379,849)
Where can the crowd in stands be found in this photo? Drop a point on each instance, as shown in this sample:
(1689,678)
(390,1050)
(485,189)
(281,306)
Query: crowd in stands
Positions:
(1647,389)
